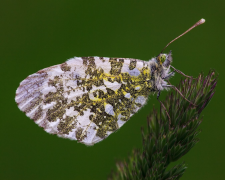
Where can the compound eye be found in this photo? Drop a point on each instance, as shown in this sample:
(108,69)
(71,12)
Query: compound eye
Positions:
(163,57)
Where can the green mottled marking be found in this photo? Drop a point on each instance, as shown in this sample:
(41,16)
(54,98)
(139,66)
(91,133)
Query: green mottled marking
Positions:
(79,134)
(121,60)
(65,67)
(65,125)
(56,112)
(55,81)
(53,96)
(110,91)
(85,60)
(133,63)
(116,66)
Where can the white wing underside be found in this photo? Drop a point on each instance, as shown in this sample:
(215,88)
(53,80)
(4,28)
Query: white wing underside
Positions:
(85,99)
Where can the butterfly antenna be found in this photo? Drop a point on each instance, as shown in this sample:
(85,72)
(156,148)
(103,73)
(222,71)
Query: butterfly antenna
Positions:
(201,21)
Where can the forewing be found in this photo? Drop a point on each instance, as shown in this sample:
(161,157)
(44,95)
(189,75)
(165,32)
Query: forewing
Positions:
(85,99)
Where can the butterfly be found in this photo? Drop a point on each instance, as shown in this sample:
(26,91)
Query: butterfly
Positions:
(88,98)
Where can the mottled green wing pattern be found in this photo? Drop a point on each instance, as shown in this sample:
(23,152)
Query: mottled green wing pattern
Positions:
(85,98)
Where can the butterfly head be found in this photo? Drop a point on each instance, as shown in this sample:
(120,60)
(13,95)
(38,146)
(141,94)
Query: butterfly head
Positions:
(164,59)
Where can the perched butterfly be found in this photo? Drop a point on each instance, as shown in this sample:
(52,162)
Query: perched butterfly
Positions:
(88,98)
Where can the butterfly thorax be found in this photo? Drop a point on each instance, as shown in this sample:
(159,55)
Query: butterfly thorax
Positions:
(160,71)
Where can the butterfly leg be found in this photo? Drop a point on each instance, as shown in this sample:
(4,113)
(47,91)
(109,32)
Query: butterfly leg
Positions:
(175,88)
(169,75)
(178,71)
(164,108)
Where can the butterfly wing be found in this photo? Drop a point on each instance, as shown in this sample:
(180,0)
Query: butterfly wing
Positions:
(85,99)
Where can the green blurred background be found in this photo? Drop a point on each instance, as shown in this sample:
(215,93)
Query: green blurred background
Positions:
(38,34)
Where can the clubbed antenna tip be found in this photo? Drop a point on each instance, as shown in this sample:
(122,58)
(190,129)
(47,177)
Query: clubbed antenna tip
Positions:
(201,21)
